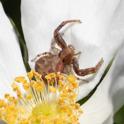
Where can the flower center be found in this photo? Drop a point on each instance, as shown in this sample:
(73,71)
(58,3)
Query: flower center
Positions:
(46,109)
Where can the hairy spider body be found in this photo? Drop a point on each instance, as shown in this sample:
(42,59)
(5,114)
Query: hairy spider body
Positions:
(64,60)
(48,64)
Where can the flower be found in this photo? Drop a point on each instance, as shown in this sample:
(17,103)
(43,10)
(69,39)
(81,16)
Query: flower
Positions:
(49,100)
(100,35)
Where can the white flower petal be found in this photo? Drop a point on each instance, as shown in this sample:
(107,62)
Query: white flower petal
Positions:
(11,63)
(100,34)
(108,98)
(117,81)
(38,22)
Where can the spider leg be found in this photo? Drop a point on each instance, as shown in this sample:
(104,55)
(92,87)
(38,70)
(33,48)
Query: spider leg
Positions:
(57,36)
(39,55)
(78,53)
(87,71)
(53,48)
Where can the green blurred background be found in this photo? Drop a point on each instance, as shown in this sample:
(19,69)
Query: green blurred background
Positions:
(12,9)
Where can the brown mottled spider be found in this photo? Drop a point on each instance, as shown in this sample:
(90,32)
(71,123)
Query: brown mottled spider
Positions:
(49,62)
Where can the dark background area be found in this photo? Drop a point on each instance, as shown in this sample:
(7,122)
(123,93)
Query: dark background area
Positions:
(12,9)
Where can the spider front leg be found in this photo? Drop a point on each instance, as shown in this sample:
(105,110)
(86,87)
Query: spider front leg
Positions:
(87,71)
(57,36)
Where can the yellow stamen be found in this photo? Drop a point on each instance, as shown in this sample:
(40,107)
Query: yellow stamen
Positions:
(52,89)
(49,101)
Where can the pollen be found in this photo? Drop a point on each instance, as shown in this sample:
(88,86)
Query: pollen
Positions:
(52,89)
(49,100)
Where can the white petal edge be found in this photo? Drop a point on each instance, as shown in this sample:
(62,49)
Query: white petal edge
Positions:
(100,34)
(11,63)
(108,98)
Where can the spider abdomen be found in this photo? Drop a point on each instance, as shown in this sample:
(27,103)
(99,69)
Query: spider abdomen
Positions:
(48,64)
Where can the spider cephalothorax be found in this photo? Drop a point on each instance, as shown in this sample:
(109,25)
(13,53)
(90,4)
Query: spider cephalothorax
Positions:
(58,62)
